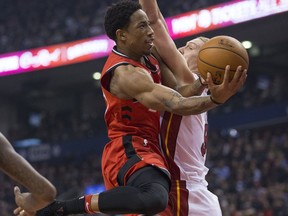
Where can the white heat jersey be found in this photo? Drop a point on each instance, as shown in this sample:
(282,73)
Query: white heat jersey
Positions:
(184,143)
(191,147)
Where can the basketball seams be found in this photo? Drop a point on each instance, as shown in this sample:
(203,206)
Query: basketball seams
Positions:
(217,47)
(216,66)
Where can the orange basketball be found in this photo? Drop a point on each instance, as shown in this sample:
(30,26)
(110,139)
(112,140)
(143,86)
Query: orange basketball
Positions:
(218,52)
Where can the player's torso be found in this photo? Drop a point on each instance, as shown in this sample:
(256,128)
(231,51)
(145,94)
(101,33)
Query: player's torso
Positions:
(129,116)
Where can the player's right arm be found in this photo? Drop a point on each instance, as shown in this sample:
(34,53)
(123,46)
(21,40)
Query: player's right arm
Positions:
(165,45)
(15,166)
(130,82)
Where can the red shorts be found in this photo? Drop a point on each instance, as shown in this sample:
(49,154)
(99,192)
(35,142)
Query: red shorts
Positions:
(125,155)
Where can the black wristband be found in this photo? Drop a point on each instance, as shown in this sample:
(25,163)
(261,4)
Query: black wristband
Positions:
(214,101)
(75,206)
(55,208)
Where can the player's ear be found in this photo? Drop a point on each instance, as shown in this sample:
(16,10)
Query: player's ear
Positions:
(121,34)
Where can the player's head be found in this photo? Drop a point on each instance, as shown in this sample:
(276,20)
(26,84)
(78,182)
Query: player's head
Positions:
(190,52)
(128,25)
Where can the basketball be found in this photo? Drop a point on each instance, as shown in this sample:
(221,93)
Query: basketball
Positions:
(218,52)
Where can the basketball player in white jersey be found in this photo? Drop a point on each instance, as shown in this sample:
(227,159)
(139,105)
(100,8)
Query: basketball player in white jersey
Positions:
(184,138)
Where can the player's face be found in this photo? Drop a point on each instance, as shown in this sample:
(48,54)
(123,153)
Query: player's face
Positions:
(140,35)
(190,52)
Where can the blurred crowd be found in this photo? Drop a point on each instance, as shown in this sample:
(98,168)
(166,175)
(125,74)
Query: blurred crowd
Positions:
(249,171)
(31,24)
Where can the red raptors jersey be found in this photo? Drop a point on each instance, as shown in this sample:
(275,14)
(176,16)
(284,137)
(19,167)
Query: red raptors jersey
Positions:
(133,128)
(129,116)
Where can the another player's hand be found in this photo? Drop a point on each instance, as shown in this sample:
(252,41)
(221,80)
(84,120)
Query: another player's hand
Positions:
(221,93)
(26,204)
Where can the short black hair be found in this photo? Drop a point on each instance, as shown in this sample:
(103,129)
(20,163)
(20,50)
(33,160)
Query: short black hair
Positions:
(118,16)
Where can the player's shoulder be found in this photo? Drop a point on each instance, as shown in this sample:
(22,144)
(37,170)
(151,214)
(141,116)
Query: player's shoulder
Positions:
(128,70)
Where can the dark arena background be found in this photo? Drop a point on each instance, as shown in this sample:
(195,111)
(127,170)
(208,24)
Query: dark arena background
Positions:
(53,114)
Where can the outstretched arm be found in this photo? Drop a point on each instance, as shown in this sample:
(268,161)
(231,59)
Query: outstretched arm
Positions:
(165,45)
(129,82)
(14,165)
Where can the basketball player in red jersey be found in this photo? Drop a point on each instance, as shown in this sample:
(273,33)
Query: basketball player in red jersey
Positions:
(184,138)
(41,191)
(134,171)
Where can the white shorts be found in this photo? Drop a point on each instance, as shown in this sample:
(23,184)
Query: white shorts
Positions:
(202,202)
